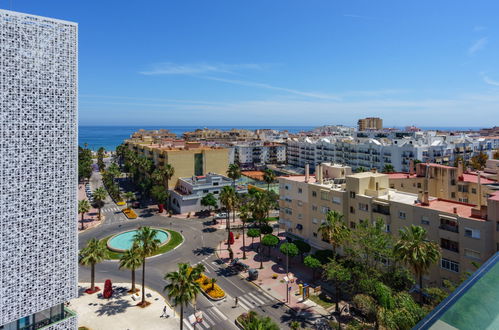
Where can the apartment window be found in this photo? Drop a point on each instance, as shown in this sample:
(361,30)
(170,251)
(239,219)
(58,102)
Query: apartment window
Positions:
(419,184)
(453,194)
(205,191)
(463,200)
(472,254)
(363,207)
(336,200)
(216,192)
(383,209)
(450,265)
(402,215)
(324,209)
(315,234)
(315,221)
(286,187)
(314,207)
(352,224)
(299,216)
(425,220)
(300,203)
(470,232)
(288,211)
(497,226)
(449,245)
(324,195)
(387,228)
(462,188)
(449,225)
(314,193)
(352,194)
(473,190)
(401,185)
(453,182)
(352,210)
(215,183)
(300,190)
(392,186)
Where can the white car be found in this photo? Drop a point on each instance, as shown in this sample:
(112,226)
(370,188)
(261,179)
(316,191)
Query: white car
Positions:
(222,215)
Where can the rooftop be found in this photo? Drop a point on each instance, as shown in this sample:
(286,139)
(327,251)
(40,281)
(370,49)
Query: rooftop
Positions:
(473,177)
(366,175)
(299,178)
(399,196)
(401,175)
(463,210)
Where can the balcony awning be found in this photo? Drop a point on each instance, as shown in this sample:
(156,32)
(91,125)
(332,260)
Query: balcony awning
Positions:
(381,202)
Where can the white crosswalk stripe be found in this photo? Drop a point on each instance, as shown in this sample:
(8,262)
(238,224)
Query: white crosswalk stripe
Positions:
(255,298)
(244,304)
(251,300)
(188,325)
(207,321)
(219,313)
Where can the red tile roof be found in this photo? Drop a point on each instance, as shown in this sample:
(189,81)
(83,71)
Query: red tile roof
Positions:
(401,175)
(470,177)
(443,205)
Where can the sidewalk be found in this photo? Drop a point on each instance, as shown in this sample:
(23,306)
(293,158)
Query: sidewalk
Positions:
(275,265)
(91,218)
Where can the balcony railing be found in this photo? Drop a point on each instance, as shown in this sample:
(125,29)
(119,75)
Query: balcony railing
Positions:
(454,229)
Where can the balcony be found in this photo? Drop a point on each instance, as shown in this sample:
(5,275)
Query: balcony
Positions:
(451,228)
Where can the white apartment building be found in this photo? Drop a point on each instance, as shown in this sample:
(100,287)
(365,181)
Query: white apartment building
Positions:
(38,171)
(377,149)
(257,154)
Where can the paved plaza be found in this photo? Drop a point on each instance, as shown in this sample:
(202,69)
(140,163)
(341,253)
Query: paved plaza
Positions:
(120,311)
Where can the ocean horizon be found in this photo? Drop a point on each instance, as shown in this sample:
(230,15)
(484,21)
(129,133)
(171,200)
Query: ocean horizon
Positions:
(109,137)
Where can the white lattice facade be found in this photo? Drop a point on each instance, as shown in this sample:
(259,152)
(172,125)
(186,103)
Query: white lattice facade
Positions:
(38,168)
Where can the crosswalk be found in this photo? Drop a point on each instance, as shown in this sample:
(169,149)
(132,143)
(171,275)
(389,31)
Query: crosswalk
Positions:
(251,300)
(211,317)
(112,209)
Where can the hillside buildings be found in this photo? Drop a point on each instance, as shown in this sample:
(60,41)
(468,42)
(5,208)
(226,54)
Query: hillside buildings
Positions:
(38,176)
(467,233)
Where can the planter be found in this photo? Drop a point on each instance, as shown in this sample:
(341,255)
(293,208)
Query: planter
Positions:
(207,287)
(129,213)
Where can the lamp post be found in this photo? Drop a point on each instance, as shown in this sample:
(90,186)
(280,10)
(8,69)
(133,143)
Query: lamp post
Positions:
(287,279)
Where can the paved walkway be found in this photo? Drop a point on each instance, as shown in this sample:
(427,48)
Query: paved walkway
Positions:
(275,266)
(120,311)
(91,218)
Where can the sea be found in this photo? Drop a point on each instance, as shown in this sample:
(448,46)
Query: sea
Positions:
(110,137)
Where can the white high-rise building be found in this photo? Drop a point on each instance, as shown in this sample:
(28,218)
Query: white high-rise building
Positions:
(38,171)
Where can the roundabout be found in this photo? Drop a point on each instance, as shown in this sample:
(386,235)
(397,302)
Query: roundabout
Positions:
(124,241)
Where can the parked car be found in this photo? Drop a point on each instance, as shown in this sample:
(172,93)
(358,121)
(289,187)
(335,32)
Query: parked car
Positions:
(222,215)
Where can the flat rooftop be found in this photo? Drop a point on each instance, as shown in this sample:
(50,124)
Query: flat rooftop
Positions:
(399,196)
(299,178)
(473,178)
(463,210)
(366,175)
(401,175)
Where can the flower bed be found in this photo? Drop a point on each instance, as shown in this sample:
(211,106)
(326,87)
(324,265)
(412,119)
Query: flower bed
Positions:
(206,287)
(130,214)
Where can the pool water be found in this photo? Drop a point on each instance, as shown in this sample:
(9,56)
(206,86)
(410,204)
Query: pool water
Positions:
(124,241)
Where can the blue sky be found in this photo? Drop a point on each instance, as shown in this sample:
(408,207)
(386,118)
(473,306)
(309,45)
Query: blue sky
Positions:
(283,62)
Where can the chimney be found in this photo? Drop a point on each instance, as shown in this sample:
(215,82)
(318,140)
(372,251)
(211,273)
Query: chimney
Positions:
(374,170)
(307,172)
(318,175)
(479,190)
(411,167)
(460,169)
(426,195)
(454,210)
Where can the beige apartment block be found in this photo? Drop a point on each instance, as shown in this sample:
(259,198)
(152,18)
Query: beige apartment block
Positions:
(189,160)
(370,123)
(447,182)
(466,233)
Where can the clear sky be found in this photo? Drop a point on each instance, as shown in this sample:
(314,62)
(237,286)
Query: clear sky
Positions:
(283,62)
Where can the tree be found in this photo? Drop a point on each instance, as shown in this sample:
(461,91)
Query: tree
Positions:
(270,241)
(183,287)
(334,230)
(166,173)
(388,168)
(131,259)
(129,196)
(417,252)
(84,163)
(94,252)
(100,159)
(360,169)
(160,195)
(269,177)
(114,170)
(213,281)
(253,321)
(209,200)
(303,247)
(312,263)
(260,209)
(228,200)
(289,250)
(253,232)
(244,214)
(234,172)
(83,207)
(496,154)
(145,237)
(478,161)
(339,275)
(99,198)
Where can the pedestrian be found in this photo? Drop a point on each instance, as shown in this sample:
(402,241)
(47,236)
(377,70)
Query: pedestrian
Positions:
(164,313)
(237,300)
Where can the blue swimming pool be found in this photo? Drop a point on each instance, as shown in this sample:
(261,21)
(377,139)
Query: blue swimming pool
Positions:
(124,241)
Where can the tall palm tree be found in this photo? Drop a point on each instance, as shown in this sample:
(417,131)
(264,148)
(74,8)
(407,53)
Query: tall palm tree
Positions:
(333,230)
(228,200)
(129,196)
(244,214)
(99,197)
(132,259)
(83,207)
(259,211)
(415,251)
(96,251)
(146,239)
(162,175)
(234,172)
(269,177)
(183,287)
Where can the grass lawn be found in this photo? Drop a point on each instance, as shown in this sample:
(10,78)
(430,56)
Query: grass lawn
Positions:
(175,240)
(322,300)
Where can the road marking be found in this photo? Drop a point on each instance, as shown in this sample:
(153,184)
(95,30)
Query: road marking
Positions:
(223,316)
(255,298)
(244,304)
(188,325)
(208,319)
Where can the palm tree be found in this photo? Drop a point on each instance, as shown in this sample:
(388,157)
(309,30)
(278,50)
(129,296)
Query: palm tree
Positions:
(228,200)
(260,208)
(416,252)
(334,230)
(234,172)
(96,251)
(388,168)
(132,260)
(145,237)
(244,214)
(83,207)
(129,196)
(269,177)
(183,287)
(99,197)
(163,175)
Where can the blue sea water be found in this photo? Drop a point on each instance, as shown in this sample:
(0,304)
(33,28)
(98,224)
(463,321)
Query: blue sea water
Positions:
(110,137)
